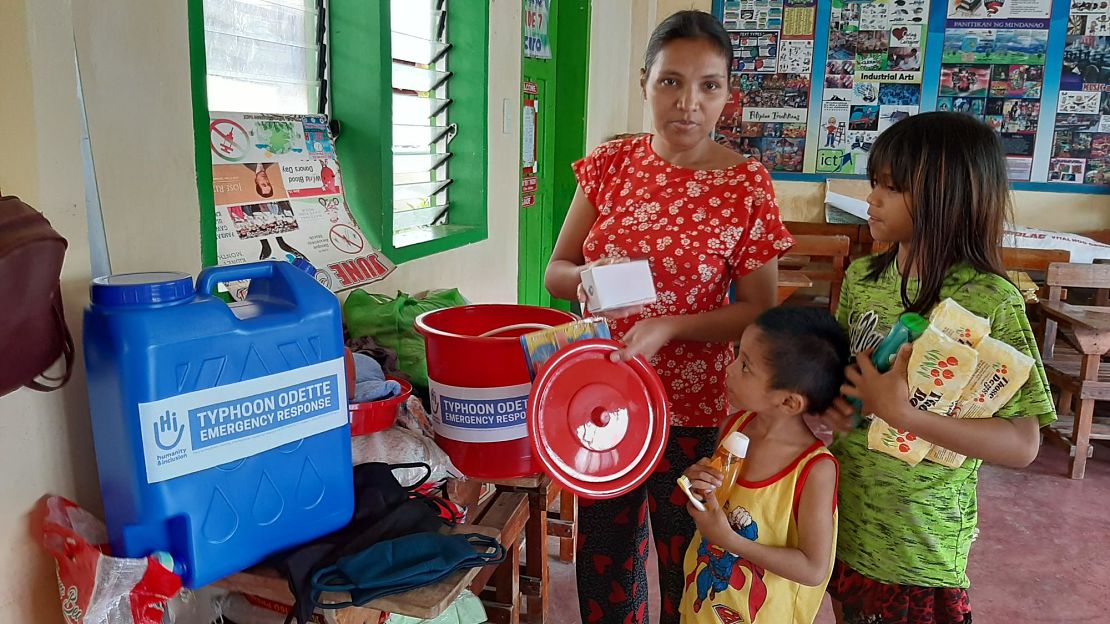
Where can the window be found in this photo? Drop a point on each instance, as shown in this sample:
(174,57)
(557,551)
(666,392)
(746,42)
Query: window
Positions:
(409,89)
(421,117)
(263,56)
(405,83)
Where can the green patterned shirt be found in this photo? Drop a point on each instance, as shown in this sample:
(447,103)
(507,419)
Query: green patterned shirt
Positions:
(913,525)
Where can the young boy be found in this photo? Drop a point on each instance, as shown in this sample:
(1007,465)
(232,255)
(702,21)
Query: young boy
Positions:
(768,552)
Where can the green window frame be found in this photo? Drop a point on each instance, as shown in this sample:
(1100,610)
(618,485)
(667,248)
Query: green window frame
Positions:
(361,100)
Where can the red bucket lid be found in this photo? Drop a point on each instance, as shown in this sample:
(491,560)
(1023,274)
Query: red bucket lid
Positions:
(597,427)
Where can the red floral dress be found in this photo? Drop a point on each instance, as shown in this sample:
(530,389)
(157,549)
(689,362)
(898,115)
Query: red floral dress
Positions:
(700,230)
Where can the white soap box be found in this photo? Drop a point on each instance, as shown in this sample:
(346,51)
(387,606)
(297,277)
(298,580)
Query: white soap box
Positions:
(622,285)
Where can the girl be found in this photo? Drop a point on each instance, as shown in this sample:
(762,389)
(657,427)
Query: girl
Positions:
(940,195)
(705,217)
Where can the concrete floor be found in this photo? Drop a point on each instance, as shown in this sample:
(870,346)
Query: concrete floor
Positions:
(1043,552)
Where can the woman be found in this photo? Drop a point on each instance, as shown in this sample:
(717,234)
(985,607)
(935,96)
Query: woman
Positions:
(706,218)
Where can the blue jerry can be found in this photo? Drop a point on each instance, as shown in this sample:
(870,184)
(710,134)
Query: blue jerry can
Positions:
(221,430)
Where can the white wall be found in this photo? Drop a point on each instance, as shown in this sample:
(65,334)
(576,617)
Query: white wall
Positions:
(135,68)
(607,111)
(134,59)
(45,444)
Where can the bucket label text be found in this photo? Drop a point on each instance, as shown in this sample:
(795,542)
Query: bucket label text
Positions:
(498,414)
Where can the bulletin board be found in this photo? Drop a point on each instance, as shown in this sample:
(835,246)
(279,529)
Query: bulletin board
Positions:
(815,83)
(768,109)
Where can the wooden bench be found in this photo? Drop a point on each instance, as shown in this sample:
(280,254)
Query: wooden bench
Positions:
(790,281)
(1074,362)
(503,518)
(535,575)
(859,235)
(823,259)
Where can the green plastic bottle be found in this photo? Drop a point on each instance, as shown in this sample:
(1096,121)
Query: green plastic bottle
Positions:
(907,328)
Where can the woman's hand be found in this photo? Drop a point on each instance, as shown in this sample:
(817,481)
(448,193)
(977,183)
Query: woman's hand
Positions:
(886,394)
(646,338)
(838,418)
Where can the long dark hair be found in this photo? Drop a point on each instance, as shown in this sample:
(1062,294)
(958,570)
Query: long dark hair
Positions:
(952,169)
(688,25)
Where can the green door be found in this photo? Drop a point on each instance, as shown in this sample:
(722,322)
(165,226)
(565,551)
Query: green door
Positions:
(553,130)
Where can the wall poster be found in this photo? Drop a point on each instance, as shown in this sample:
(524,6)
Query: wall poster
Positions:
(872,77)
(993,68)
(279,196)
(815,82)
(768,109)
(1081,143)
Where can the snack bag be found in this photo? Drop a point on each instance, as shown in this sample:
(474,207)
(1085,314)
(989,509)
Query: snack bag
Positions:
(96,588)
(958,324)
(939,370)
(539,346)
(1002,370)
(899,444)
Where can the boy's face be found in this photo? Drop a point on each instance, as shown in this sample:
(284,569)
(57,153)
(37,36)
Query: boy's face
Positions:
(748,378)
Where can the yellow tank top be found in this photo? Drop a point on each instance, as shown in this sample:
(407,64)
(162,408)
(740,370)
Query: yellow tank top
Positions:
(722,588)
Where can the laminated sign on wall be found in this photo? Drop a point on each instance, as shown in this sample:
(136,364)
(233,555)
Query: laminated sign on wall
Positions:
(537,44)
(279,195)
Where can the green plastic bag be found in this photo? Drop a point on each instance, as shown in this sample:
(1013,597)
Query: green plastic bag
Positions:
(389,321)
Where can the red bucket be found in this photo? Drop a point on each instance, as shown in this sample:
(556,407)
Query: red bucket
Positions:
(479,384)
(373,416)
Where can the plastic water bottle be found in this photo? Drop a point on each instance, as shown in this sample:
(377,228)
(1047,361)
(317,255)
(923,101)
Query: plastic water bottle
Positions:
(728,459)
(907,328)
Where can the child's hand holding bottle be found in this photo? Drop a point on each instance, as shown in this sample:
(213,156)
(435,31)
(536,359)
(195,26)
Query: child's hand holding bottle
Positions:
(716,474)
(699,482)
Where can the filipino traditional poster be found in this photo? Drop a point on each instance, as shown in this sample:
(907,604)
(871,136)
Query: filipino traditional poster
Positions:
(768,109)
(279,195)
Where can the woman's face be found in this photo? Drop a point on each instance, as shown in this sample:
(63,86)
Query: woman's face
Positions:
(262,180)
(686,88)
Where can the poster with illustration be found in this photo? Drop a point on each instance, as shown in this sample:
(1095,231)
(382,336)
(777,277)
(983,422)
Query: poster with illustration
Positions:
(279,195)
(876,50)
(993,64)
(999,9)
(1083,107)
(768,107)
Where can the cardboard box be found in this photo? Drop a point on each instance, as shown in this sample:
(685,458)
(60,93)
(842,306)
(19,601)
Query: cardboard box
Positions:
(622,285)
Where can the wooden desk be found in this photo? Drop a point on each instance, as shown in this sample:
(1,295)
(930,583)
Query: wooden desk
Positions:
(791,261)
(504,519)
(1026,285)
(1079,376)
(790,281)
(535,575)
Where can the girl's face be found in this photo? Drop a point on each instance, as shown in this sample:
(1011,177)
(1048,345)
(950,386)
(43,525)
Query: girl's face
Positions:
(687,88)
(889,212)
